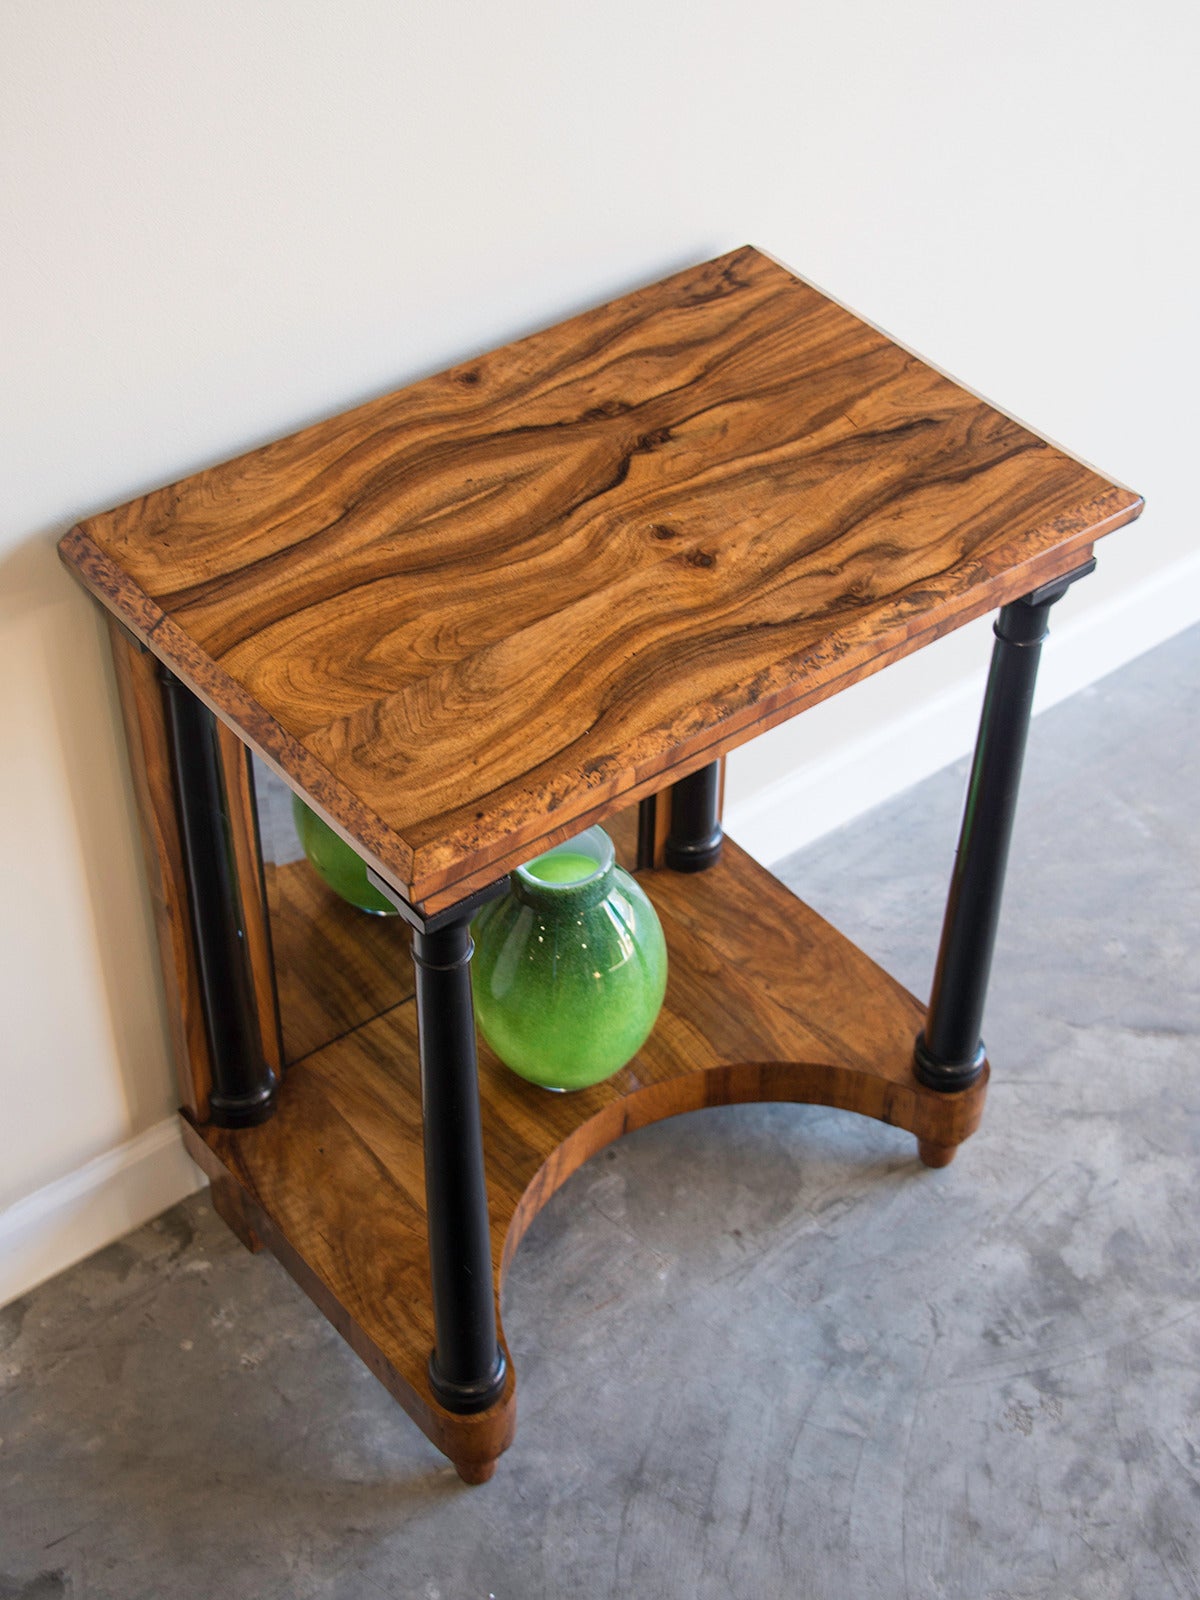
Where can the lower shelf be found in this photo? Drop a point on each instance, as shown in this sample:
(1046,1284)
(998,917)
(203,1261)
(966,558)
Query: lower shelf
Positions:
(765,1001)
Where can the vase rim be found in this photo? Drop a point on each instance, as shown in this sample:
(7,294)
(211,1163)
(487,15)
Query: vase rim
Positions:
(592,842)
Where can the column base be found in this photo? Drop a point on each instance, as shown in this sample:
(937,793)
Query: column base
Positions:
(244,1110)
(694,856)
(695,840)
(467,1398)
(946,1076)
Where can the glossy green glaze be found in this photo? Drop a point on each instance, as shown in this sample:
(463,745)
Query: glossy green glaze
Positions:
(570,967)
(332,857)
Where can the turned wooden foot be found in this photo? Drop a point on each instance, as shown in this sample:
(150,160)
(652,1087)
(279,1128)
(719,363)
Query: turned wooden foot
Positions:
(474,1472)
(936,1155)
(228,1203)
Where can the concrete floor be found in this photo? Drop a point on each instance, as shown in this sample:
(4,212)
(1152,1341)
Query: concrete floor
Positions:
(762,1351)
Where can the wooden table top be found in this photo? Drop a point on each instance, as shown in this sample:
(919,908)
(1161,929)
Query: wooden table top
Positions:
(470,617)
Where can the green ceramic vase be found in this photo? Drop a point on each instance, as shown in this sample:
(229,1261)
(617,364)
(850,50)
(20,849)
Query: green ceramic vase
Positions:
(570,966)
(333,859)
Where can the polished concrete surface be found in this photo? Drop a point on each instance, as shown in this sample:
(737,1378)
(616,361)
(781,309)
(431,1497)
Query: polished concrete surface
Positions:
(762,1351)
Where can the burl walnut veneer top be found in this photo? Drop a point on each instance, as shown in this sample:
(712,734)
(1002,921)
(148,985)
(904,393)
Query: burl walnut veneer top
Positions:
(470,617)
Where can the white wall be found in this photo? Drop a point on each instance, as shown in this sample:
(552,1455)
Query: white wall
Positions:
(219,221)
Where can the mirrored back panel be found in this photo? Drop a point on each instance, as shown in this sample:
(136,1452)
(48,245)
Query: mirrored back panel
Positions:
(336,965)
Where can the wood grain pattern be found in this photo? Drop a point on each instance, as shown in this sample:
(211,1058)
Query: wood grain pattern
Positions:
(474,615)
(765,1002)
(154,794)
(230,1204)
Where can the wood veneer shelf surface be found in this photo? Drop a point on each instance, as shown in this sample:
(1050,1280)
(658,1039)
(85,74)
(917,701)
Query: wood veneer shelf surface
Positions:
(765,1001)
(472,616)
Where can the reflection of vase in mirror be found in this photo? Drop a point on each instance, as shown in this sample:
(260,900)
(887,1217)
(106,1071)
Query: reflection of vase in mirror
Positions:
(335,968)
(343,870)
(570,966)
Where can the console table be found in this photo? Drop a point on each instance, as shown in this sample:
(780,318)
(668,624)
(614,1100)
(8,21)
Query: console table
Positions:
(550,587)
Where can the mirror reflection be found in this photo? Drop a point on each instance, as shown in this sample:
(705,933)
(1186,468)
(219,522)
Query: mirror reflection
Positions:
(338,961)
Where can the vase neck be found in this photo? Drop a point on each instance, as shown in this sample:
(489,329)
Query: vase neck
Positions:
(573,876)
(562,897)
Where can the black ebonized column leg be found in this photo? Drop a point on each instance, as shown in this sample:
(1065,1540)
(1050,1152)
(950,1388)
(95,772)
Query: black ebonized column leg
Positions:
(694,841)
(647,829)
(467,1366)
(243,1083)
(949,1053)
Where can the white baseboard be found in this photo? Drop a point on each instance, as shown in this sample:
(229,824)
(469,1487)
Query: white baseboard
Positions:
(823,794)
(89,1208)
